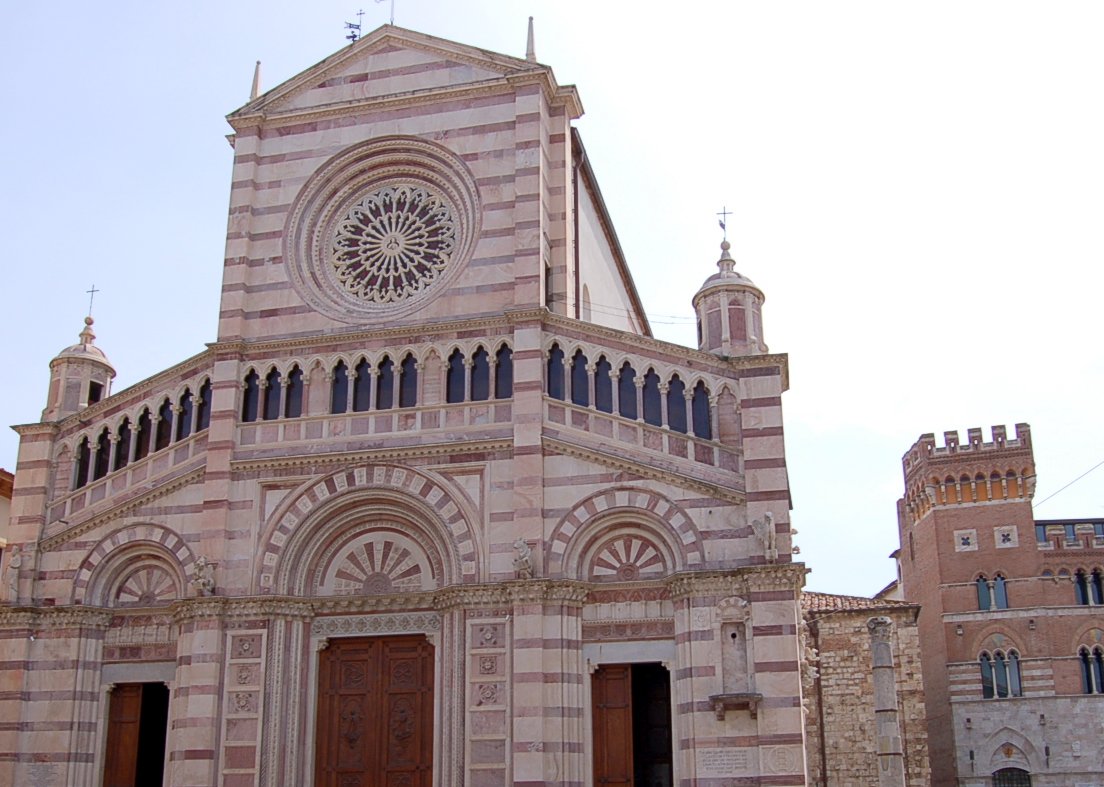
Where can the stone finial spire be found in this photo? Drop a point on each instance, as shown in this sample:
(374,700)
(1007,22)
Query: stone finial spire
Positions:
(530,46)
(726,264)
(86,335)
(256,90)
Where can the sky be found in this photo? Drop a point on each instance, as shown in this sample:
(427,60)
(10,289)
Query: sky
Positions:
(916,187)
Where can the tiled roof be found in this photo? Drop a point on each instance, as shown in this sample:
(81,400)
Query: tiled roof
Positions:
(830,602)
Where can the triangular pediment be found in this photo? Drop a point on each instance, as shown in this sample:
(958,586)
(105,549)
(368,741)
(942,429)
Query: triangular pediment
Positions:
(390,62)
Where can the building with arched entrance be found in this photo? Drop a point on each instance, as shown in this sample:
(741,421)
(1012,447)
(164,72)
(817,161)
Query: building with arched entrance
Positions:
(421,514)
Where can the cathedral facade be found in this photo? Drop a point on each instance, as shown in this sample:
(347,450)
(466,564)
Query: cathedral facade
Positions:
(435,508)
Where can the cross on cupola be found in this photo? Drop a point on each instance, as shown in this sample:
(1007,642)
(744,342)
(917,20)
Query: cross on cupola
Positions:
(723,220)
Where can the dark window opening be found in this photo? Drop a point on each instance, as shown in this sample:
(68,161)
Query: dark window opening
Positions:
(164,426)
(1081,587)
(339,390)
(84,453)
(385,385)
(293,406)
(408,382)
(184,423)
(142,435)
(272,395)
(580,380)
(703,420)
(103,456)
(603,385)
(1096,586)
(203,406)
(362,386)
(251,397)
(1000,592)
(504,373)
(986,676)
(95,392)
(653,407)
(455,377)
(122,446)
(1040,533)
(556,372)
(984,601)
(626,392)
(676,404)
(481,376)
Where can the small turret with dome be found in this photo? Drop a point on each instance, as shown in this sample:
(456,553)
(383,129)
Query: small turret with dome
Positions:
(80,375)
(729,308)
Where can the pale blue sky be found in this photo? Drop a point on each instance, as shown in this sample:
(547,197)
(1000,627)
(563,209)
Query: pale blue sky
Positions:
(916,187)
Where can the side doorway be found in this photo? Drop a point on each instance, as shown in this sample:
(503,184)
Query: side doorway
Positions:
(137,725)
(631,714)
(375,713)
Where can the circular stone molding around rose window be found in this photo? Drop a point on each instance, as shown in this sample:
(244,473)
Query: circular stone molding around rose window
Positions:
(381,229)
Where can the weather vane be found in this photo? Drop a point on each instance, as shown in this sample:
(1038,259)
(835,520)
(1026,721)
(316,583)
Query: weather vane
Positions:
(723,220)
(354,28)
(392,10)
(91,294)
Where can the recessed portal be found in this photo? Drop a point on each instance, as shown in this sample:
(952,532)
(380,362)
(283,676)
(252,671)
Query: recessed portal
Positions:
(375,713)
(632,725)
(138,715)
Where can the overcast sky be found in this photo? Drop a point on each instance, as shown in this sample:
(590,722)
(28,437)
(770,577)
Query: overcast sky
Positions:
(917,188)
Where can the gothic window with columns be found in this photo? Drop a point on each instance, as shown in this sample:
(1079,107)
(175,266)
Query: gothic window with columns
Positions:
(1092,669)
(1000,674)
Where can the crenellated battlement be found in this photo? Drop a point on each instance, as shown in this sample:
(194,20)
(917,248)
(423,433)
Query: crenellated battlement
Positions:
(926,449)
(972,472)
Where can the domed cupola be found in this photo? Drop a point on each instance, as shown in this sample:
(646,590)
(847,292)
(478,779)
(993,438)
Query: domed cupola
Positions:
(730,311)
(80,375)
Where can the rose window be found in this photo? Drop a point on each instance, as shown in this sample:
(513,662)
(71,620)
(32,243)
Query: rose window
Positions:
(393,244)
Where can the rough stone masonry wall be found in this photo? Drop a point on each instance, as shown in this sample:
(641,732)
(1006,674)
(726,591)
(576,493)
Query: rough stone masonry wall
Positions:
(839,723)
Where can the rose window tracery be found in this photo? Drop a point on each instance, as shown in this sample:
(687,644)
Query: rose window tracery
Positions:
(393,243)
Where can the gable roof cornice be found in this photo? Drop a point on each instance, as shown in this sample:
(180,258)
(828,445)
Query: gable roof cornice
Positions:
(515,71)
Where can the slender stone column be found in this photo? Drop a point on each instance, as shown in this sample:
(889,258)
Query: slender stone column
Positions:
(891,761)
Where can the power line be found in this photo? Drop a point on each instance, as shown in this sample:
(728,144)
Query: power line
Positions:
(1071,483)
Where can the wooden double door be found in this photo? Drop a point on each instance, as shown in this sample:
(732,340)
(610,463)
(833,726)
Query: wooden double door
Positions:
(631,715)
(375,713)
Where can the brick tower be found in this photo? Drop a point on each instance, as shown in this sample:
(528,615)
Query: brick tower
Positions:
(1002,628)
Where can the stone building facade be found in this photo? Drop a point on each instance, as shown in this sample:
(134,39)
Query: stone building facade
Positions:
(845,746)
(1012,631)
(421,514)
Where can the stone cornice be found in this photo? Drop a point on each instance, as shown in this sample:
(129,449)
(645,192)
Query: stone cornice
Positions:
(370,455)
(719,491)
(321,342)
(414,98)
(54,617)
(45,427)
(738,582)
(508,67)
(117,510)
